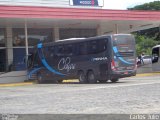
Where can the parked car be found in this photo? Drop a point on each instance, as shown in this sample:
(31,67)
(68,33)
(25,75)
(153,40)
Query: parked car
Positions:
(147,59)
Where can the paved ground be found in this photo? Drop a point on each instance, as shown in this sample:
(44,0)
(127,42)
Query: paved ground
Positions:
(131,95)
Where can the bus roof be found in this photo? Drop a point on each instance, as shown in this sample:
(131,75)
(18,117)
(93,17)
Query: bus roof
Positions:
(70,40)
(156,46)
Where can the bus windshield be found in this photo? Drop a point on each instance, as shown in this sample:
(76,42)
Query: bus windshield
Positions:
(125,45)
(124,51)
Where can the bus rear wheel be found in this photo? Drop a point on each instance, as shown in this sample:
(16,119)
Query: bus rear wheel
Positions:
(82,77)
(91,77)
(114,80)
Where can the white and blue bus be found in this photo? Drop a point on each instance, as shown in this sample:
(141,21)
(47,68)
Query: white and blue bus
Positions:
(100,58)
(156,58)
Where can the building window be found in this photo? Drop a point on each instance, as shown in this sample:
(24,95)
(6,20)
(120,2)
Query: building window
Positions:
(34,36)
(2,38)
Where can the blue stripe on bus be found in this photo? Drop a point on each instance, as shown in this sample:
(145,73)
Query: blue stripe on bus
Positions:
(120,58)
(45,62)
(39,45)
(50,68)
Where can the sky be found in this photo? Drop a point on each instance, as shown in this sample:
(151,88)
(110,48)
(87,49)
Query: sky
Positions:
(124,4)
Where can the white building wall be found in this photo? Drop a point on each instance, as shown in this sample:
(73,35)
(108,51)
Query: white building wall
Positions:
(43,3)
(56,33)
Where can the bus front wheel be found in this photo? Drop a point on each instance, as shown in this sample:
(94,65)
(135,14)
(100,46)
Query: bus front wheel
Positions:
(114,80)
(91,77)
(82,77)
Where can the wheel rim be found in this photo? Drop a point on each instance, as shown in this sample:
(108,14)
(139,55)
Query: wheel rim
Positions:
(91,77)
(81,77)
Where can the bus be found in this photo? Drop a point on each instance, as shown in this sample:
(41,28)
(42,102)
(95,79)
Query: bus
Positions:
(156,58)
(100,58)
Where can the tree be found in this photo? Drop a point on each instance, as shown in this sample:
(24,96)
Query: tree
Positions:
(144,44)
(147,6)
(146,39)
(151,33)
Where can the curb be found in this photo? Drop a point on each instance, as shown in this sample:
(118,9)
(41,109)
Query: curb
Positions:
(147,74)
(16,84)
(68,81)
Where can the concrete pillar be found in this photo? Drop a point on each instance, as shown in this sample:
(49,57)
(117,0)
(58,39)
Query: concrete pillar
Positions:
(99,30)
(9,47)
(116,28)
(56,33)
(26,37)
(53,38)
(103,29)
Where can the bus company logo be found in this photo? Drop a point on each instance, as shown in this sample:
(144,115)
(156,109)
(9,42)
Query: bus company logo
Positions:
(99,59)
(65,64)
(86,2)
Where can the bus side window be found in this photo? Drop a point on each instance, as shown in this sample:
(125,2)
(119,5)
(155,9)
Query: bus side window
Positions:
(69,50)
(60,50)
(82,48)
(97,46)
(92,47)
(46,51)
(36,60)
(51,51)
(29,60)
(102,45)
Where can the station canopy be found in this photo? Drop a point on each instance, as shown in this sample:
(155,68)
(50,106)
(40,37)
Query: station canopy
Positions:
(105,20)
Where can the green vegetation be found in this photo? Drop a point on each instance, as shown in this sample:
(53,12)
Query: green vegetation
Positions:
(144,44)
(147,6)
(152,33)
(146,39)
